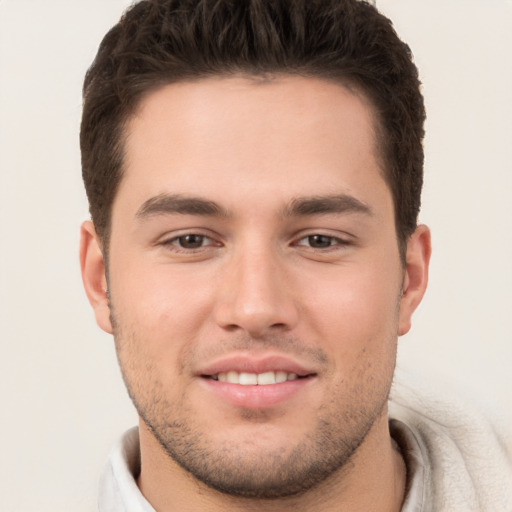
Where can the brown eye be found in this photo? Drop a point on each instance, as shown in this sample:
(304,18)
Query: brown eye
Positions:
(320,241)
(190,241)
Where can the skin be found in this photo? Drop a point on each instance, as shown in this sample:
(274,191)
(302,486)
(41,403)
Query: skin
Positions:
(269,271)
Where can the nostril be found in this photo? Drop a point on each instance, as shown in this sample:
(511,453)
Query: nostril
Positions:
(232,327)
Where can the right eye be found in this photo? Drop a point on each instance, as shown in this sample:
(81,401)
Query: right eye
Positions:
(189,241)
(192,241)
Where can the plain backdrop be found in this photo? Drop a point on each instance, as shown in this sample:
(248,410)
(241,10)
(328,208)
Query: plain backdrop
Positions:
(62,400)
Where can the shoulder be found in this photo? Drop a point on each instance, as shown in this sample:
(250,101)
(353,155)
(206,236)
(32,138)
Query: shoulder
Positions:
(465,454)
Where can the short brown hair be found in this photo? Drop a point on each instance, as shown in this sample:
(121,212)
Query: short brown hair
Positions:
(163,41)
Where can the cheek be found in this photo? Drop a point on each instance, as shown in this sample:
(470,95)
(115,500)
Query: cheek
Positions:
(160,315)
(354,309)
(357,323)
(160,296)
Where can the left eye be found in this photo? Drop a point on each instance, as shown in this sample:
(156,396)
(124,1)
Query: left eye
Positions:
(320,241)
(192,241)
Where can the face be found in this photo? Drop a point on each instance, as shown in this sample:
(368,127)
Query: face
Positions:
(256,289)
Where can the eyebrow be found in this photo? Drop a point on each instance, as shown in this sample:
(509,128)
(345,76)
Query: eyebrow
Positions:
(176,203)
(319,205)
(298,207)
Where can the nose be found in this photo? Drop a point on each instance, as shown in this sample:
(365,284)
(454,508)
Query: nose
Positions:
(256,295)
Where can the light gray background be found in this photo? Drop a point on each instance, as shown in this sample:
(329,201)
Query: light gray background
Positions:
(63,402)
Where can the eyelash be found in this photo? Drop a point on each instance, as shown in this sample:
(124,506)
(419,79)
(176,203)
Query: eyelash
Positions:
(334,241)
(177,242)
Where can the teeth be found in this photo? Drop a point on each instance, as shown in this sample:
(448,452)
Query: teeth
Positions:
(282,377)
(232,377)
(248,379)
(266,378)
(252,379)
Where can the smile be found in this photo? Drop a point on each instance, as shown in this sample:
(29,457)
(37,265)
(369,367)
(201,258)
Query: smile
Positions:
(255,379)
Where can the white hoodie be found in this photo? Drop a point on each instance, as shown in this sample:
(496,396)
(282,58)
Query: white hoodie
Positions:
(456,460)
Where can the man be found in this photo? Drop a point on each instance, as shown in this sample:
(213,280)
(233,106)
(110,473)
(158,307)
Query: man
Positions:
(254,171)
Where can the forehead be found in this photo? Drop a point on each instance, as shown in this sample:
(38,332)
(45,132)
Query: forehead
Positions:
(219,135)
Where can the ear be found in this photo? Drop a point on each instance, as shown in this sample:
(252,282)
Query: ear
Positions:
(416,276)
(93,275)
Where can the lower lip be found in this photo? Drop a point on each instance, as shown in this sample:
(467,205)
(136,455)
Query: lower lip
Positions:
(257,397)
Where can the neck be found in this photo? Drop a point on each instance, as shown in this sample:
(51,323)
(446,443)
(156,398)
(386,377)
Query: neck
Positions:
(376,473)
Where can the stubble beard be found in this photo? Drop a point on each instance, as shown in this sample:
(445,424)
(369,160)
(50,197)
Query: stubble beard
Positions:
(247,469)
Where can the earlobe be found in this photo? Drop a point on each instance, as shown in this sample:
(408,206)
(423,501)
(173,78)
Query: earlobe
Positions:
(416,276)
(93,275)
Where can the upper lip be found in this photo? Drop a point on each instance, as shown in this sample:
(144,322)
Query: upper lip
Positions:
(255,364)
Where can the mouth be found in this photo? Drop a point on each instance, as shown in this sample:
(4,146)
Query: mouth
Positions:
(264,390)
(262,381)
(256,379)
